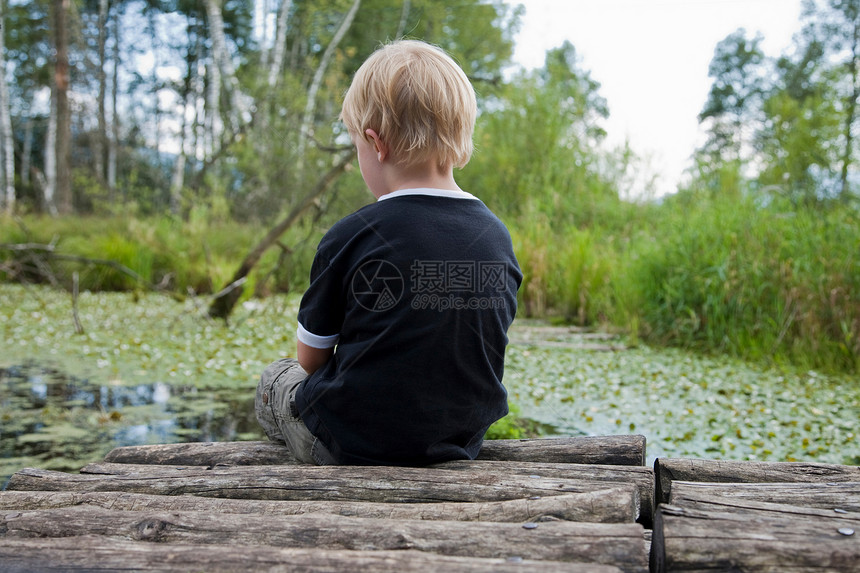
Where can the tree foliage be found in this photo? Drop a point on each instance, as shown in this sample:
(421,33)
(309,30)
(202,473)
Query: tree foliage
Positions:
(229,106)
(734,101)
(536,140)
(786,124)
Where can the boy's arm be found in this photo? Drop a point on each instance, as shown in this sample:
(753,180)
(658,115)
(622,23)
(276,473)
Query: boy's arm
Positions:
(310,358)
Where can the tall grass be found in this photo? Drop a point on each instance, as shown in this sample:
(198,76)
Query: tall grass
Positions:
(770,283)
(728,275)
(566,274)
(199,254)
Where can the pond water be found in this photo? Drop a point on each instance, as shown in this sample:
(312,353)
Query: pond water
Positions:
(689,405)
(148,369)
(52,420)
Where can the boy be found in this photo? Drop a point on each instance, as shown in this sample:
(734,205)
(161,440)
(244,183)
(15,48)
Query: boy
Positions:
(402,332)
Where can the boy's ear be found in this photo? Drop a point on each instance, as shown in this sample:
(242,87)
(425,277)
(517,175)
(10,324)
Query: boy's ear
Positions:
(381,147)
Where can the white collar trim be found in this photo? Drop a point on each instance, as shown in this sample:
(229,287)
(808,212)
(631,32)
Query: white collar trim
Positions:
(428,191)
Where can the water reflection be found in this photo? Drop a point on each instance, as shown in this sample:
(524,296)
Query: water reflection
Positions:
(158,432)
(49,419)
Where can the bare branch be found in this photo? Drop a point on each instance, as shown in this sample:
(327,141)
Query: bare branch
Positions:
(222,306)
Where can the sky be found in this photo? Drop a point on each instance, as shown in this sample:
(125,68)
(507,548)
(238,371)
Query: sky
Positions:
(651,58)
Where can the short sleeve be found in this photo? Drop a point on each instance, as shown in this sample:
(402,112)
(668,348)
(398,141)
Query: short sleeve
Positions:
(321,311)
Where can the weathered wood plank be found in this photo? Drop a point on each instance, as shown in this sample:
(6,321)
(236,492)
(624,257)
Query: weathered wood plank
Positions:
(640,476)
(204,454)
(761,509)
(619,545)
(725,471)
(607,450)
(752,541)
(626,450)
(302,483)
(96,553)
(615,505)
(843,496)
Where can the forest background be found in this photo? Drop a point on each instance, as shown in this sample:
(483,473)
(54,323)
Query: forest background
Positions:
(175,146)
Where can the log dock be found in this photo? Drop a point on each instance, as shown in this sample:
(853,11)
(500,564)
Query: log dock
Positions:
(580,504)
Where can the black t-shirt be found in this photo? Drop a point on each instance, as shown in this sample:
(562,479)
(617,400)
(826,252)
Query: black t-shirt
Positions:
(417,292)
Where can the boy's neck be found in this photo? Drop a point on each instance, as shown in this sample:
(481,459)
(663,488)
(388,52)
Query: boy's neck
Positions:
(429,176)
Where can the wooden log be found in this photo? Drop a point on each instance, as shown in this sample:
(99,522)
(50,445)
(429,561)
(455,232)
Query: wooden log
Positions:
(751,541)
(615,505)
(96,553)
(615,544)
(640,476)
(607,450)
(722,471)
(754,508)
(842,497)
(628,450)
(204,454)
(302,483)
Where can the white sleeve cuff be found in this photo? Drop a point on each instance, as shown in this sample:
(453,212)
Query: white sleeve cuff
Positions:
(315,340)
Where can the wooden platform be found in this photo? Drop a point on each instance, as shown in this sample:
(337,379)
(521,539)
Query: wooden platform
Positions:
(565,504)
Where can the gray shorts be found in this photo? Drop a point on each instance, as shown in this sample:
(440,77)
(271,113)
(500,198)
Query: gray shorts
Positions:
(275,405)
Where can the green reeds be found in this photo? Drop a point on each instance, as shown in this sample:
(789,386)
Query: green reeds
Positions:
(767,282)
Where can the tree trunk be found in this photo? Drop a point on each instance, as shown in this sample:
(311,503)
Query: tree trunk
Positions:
(605,450)
(262,10)
(101,137)
(404,17)
(221,61)
(213,127)
(7,151)
(851,111)
(177,178)
(752,540)
(186,134)
(277,64)
(614,544)
(306,128)
(92,552)
(843,496)
(199,97)
(727,471)
(48,181)
(113,140)
(64,120)
(303,483)
(26,154)
(226,300)
(613,505)
(152,31)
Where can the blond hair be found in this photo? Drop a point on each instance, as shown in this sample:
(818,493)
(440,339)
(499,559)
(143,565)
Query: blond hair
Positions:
(418,100)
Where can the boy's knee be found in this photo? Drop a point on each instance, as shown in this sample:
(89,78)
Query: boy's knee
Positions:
(273,370)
